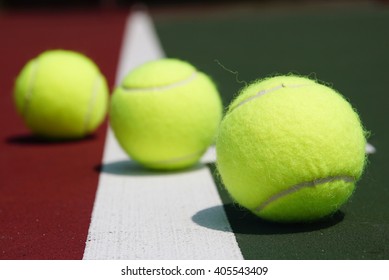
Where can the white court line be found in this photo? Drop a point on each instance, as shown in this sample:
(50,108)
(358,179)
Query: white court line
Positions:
(370,149)
(144,215)
(140,44)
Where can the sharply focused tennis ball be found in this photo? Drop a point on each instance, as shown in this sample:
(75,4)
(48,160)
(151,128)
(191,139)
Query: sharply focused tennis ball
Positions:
(61,94)
(165,114)
(290,149)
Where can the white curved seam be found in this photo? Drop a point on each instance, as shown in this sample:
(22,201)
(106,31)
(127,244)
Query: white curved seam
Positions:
(164,87)
(92,101)
(297,187)
(265,91)
(30,87)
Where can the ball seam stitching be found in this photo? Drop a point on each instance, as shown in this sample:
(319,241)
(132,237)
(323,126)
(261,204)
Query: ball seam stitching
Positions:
(179,83)
(266,91)
(30,87)
(92,101)
(299,186)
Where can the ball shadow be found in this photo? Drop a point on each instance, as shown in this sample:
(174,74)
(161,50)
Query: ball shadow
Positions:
(132,168)
(33,140)
(244,222)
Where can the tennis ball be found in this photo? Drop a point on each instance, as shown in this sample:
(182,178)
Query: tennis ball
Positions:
(290,149)
(165,114)
(61,94)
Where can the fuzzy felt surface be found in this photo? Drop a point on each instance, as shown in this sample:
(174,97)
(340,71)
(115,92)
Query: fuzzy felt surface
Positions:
(61,94)
(165,114)
(285,131)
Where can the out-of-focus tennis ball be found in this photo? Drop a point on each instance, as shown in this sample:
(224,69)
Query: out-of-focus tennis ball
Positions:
(61,94)
(165,114)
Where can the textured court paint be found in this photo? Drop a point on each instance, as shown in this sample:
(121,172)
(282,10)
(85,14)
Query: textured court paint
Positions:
(140,214)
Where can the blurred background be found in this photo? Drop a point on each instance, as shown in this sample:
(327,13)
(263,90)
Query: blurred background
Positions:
(44,4)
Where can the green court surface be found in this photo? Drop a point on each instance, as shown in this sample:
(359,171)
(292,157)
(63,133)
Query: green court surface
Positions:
(347,47)
(89,200)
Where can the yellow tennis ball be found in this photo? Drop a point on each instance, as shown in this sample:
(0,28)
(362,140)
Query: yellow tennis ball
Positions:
(61,94)
(290,149)
(165,114)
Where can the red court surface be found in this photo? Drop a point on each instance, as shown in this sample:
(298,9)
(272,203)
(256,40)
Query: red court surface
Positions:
(57,175)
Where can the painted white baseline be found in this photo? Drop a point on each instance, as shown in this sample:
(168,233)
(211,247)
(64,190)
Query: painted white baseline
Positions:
(140,214)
